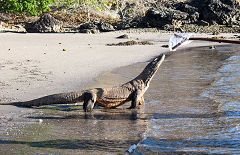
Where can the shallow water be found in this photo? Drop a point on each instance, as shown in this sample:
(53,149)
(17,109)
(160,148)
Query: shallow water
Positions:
(192,106)
(197,108)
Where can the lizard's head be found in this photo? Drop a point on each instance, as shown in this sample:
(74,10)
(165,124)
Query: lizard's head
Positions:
(155,63)
(150,70)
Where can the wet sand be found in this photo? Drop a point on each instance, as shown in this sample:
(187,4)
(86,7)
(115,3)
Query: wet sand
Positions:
(66,129)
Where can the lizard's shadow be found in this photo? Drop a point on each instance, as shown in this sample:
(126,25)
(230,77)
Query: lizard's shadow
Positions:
(98,114)
(59,107)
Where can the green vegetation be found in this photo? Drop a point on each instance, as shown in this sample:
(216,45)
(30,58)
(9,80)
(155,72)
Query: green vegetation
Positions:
(31,7)
(37,7)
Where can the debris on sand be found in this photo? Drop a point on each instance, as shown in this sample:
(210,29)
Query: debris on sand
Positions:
(130,43)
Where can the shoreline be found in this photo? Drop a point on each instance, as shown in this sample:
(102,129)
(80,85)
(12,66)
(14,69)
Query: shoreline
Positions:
(50,70)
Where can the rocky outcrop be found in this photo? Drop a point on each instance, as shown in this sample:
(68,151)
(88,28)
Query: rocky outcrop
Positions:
(89,27)
(95,27)
(163,16)
(105,27)
(226,12)
(125,24)
(45,24)
(193,12)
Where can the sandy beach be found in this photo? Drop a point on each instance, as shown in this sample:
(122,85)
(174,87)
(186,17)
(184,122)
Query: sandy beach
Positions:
(35,65)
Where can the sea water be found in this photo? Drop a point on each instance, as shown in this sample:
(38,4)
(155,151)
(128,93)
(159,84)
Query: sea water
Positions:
(195,103)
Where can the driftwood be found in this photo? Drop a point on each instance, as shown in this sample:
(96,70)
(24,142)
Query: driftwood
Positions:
(217,40)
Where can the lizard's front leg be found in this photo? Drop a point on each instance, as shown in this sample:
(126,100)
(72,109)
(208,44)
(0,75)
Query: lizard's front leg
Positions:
(136,99)
(89,101)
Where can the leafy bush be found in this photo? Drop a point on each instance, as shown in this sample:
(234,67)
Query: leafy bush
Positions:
(31,7)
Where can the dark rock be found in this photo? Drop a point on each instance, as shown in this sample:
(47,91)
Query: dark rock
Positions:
(105,27)
(93,31)
(165,46)
(95,27)
(46,23)
(192,11)
(137,22)
(186,8)
(90,27)
(163,16)
(223,12)
(123,25)
(226,12)
(125,36)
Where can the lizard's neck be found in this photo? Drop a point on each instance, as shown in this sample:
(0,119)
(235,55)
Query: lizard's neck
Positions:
(150,70)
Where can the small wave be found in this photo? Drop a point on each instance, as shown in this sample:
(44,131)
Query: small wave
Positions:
(226,88)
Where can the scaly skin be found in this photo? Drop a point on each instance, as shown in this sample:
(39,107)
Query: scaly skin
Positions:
(106,97)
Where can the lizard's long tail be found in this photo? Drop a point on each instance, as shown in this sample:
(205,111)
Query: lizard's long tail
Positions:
(62,98)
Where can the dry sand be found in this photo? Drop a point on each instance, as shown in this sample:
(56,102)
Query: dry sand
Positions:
(34,65)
